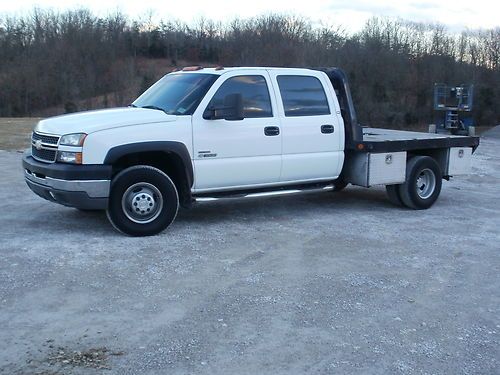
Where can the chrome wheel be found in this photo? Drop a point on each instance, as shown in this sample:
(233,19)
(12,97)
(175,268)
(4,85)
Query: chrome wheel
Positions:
(426,183)
(142,202)
(423,183)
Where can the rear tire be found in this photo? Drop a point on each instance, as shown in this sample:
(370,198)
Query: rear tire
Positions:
(393,195)
(143,201)
(423,183)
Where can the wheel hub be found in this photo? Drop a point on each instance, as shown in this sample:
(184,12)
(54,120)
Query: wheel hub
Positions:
(142,202)
(426,183)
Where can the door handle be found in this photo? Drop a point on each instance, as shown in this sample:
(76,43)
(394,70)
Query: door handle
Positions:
(271,131)
(327,129)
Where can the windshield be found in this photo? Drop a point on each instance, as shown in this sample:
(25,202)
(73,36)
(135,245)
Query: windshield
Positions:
(176,94)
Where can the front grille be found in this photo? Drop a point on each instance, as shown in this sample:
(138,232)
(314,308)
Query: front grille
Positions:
(49,139)
(44,154)
(47,147)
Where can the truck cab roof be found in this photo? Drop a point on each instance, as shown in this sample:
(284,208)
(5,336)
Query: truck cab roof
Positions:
(223,70)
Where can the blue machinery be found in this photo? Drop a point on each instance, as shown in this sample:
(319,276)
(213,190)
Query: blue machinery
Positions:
(456,102)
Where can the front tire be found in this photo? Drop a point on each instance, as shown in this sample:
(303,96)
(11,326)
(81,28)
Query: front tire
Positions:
(143,201)
(339,185)
(423,183)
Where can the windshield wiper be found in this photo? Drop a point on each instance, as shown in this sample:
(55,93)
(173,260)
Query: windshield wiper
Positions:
(154,107)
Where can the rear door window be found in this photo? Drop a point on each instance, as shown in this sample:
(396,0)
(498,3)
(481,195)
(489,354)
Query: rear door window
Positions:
(303,96)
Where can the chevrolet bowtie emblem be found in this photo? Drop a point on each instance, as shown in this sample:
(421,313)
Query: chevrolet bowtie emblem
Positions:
(38,144)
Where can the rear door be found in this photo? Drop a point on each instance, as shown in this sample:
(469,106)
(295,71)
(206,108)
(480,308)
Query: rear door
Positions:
(311,131)
(237,154)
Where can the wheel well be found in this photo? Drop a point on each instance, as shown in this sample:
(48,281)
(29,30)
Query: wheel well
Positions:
(438,154)
(169,163)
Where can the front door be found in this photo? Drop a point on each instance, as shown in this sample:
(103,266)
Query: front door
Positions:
(238,153)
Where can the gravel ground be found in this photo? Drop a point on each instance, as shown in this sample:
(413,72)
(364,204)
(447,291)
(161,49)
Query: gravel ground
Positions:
(323,283)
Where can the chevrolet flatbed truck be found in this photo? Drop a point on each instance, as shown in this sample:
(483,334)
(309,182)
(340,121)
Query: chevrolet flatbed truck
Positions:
(219,132)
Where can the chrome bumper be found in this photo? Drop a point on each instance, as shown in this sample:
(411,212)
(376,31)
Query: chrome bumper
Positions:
(93,188)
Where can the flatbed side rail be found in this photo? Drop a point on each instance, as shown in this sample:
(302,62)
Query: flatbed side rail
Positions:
(415,144)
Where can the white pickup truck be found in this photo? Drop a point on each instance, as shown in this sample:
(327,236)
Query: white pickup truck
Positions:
(213,132)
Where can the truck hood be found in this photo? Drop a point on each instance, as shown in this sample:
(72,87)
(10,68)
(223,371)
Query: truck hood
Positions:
(92,121)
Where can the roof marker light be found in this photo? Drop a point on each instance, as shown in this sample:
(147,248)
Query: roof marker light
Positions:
(191,68)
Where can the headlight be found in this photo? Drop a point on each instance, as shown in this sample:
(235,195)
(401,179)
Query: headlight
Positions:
(69,157)
(76,139)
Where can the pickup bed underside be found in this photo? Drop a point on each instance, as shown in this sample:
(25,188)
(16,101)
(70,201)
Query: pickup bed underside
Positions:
(386,140)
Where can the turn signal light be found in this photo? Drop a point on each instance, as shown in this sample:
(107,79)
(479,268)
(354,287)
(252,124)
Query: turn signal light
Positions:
(69,157)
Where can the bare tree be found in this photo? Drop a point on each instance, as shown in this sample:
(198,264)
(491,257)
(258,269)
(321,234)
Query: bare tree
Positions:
(74,59)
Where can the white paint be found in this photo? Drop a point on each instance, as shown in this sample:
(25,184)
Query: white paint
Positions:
(243,154)
(91,121)
(245,157)
(98,143)
(308,153)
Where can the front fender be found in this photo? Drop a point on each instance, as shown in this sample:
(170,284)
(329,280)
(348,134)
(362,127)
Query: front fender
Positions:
(168,147)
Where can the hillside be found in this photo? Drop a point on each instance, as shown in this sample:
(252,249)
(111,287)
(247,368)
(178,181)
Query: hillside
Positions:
(52,63)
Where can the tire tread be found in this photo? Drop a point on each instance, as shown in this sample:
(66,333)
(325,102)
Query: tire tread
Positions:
(116,179)
(405,190)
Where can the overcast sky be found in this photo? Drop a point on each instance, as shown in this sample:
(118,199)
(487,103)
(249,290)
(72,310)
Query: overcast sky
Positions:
(457,14)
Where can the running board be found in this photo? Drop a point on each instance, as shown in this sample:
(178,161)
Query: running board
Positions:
(263,192)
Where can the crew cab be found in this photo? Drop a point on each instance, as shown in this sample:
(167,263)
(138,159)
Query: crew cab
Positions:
(215,132)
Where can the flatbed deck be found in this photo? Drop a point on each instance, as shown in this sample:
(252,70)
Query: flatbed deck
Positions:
(388,140)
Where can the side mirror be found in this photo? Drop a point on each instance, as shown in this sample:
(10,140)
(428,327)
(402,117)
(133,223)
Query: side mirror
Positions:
(231,110)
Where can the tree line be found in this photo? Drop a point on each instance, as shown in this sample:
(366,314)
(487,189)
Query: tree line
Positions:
(62,61)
